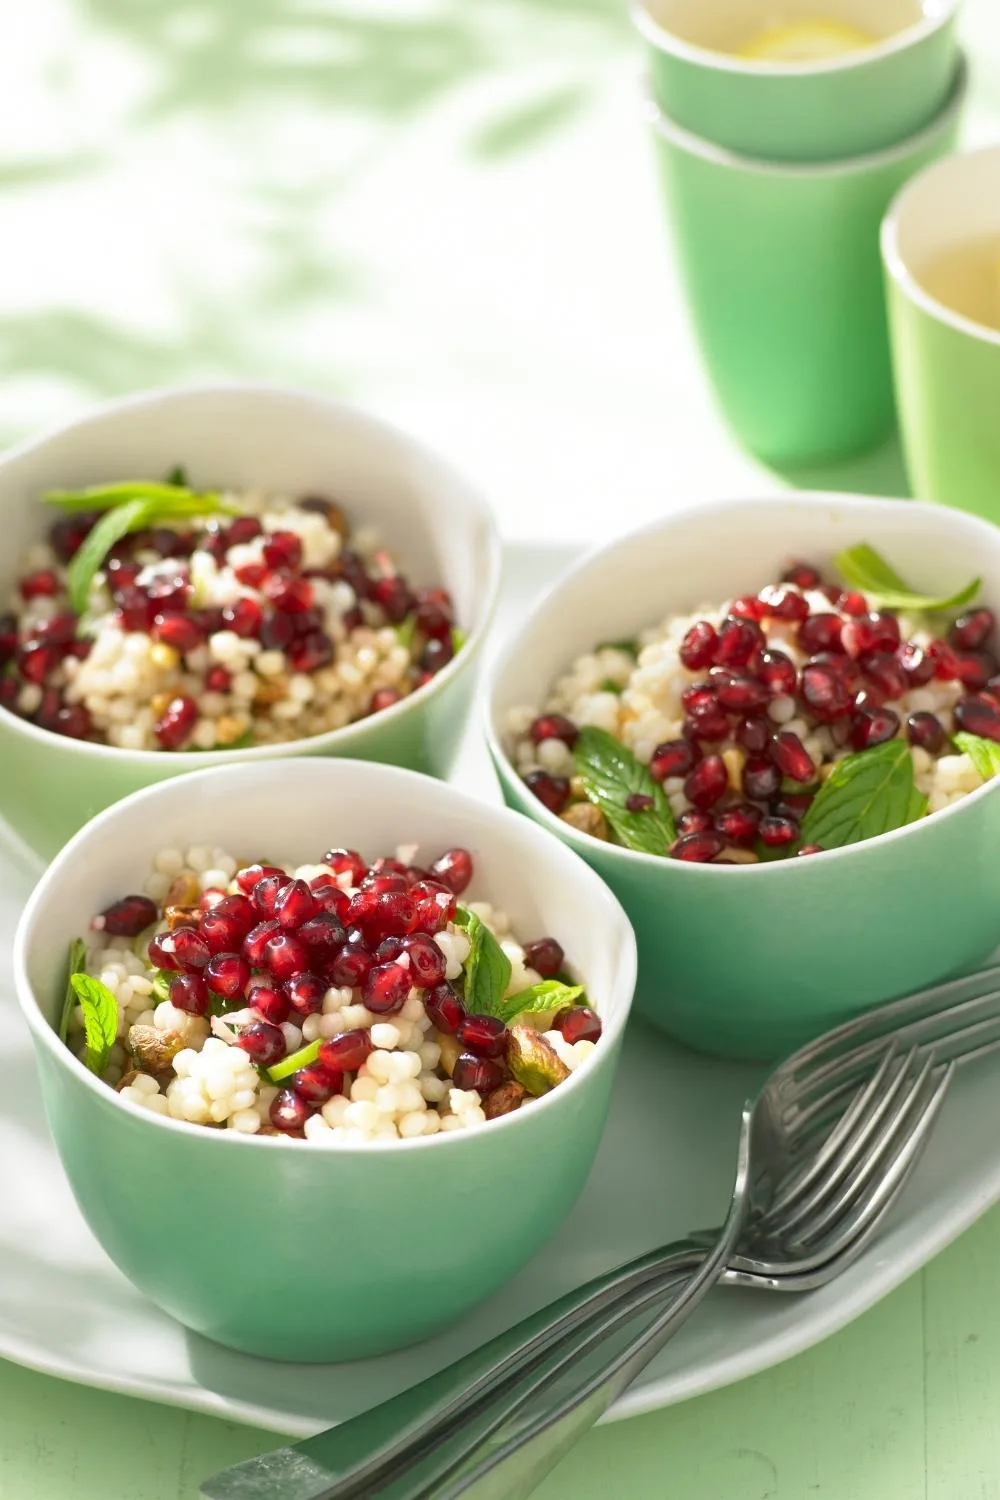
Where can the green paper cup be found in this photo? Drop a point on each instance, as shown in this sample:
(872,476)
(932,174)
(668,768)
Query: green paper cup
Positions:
(822,110)
(947,367)
(781,270)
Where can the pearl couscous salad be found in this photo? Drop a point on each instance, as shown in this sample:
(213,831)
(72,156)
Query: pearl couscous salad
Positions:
(805,717)
(338,1002)
(156,617)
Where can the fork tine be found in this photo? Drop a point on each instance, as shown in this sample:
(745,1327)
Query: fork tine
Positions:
(845,1184)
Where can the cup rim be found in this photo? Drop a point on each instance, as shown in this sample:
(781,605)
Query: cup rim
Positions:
(409,782)
(583,843)
(347,734)
(664,40)
(697,145)
(898,267)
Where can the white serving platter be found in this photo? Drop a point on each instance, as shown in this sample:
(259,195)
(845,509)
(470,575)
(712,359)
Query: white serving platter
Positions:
(663,1170)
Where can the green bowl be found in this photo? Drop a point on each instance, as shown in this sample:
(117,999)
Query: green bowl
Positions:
(290,1249)
(286,441)
(753,960)
(781,270)
(808,111)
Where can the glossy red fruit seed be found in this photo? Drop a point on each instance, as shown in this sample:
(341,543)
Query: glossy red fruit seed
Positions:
(824,691)
(755,734)
(256,941)
(886,671)
(972,630)
(545,956)
(803,575)
(551,791)
(129,917)
(747,607)
(742,695)
(944,660)
(324,932)
(637,802)
(707,782)
(698,848)
(295,904)
(792,758)
(698,646)
(777,672)
(263,1043)
(738,640)
(386,989)
(283,549)
(977,716)
(776,832)
(380,881)
(783,603)
(738,824)
(310,652)
(161,951)
(820,632)
(244,617)
(74,721)
(581,1024)
(289,1111)
(350,966)
(288,593)
(190,948)
(248,877)
(694,821)
(917,664)
(223,933)
(454,869)
(761,779)
(873,727)
(270,1003)
(346,1052)
(305,993)
(927,732)
(672,758)
(316,1083)
(189,993)
(384,697)
(852,603)
(486,1036)
(227,974)
(179,631)
(346,862)
(711,727)
(60,630)
(480,1073)
(394,597)
(554,727)
(36,662)
(285,956)
(266,891)
(427,962)
(975,668)
(174,726)
(444,1008)
(43,584)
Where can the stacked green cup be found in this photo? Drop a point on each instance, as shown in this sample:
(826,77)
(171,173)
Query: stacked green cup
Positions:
(777,167)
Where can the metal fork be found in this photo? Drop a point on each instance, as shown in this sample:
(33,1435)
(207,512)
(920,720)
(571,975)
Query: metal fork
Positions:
(810,1125)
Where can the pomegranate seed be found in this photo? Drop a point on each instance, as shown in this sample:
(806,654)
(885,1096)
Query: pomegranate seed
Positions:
(263,1043)
(738,640)
(554,727)
(276,632)
(382,698)
(698,848)
(581,1024)
(288,593)
(803,575)
(707,782)
(346,1052)
(289,1111)
(761,779)
(67,535)
(918,666)
(346,862)
(480,1073)
(486,1036)
(433,913)
(311,652)
(189,993)
(305,993)
(332,899)
(168,592)
(36,663)
(551,791)
(227,974)
(869,697)
(43,584)
(811,849)
(444,1008)
(161,951)
(251,575)
(978,716)
(74,721)
(179,631)
(285,956)
(742,695)
(873,727)
(926,731)
(271,1004)
(886,671)
(775,832)
(700,699)
(427,962)
(383,881)
(294,904)
(672,758)
(351,966)
(545,956)
(824,691)
(436,654)
(820,633)
(223,932)
(777,672)
(393,597)
(59,631)
(394,916)
(242,530)
(944,660)
(244,617)
(316,1083)
(267,890)
(434,618)
(738,824)
(283,549)
(129,917)
(783,603)
(792,758)
(871,632)
(8,638)
(975,669)
(694,821)
(454,869)
(754,734)
(325,932)
(218,680)
(256,942)
(971,631)
(190,949)
(176,723)
(711,727)
(852,603)
(748,607)
(698,646)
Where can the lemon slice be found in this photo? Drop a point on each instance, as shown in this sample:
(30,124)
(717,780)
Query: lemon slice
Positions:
(806,41)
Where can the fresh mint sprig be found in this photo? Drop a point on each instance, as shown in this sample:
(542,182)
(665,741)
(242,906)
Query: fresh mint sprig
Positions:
(865,794)
(77,959)
(549,997)
(100,1019)
(984,754)
(487,968)
(863,568)
(611,775)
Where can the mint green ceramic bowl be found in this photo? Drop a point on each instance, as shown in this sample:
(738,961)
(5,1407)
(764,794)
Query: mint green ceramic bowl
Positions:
(781,270)
(285,1248)
(267,437)
(848,105)
(752,960)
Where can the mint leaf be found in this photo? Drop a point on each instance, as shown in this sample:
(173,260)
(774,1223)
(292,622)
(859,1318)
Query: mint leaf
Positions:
(611,774)
(918,806)
(406,630)
(457,639)
(487,968)
(547,998)
(293,1062)
(113,525)
(866,794)
(630,647)
(100,1019)
(162,981)
(77,959)
(863,568)
(984,754)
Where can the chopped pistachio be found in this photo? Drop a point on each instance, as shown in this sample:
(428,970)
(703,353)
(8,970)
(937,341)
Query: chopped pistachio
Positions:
(504,1100)
(533,1062)
(128,1078)
(181,916)
(450,1052)
(154,1050)
(184,890)
(588,819)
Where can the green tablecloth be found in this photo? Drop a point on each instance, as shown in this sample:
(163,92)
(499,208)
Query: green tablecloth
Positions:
(444,209)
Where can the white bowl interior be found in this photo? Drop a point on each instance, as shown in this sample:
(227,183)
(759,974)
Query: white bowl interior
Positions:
(289,442)
(726,25)
(295,811)
(704,556)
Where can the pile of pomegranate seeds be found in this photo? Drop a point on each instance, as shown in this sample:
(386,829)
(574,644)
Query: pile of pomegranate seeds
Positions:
(328,1002)
(271,625)
(741,712)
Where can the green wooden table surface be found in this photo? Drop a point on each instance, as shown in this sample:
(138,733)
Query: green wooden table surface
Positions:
(444,209)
